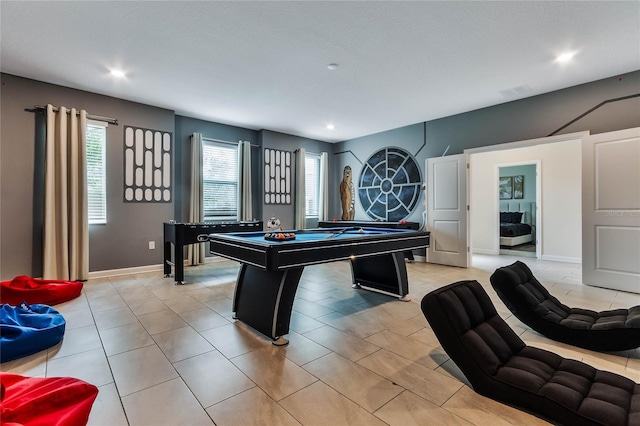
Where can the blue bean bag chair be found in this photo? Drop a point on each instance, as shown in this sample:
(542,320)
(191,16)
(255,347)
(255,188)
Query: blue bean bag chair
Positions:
(27,329)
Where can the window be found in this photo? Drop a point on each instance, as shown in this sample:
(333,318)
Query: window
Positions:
(96,172)
(312,185)
(220,181)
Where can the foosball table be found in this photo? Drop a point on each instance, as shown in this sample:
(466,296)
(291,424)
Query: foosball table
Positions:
(182,234)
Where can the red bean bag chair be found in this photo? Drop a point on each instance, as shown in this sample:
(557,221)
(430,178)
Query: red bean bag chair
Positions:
(30,290)
(54,401)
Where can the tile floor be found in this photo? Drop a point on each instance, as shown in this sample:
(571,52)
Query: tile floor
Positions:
(172,355)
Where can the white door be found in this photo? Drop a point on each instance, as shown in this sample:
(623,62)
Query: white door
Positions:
(611,210)
(447,210)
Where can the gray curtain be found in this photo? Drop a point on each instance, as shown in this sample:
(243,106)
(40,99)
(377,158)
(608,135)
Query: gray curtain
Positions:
(299,218)
(323,207)
(245,211)
(66,221)
(195,252)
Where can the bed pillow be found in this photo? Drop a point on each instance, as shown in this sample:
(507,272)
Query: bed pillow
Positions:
(511,217)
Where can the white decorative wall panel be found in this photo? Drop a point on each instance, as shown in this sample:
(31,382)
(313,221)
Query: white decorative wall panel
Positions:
(147,165)
(277,177)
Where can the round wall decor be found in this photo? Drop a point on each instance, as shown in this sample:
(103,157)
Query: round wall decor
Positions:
(389,186)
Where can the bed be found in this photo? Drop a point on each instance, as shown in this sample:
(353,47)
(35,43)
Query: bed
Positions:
(517,221)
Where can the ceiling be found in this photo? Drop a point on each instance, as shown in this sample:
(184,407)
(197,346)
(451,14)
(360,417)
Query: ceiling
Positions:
(263,64)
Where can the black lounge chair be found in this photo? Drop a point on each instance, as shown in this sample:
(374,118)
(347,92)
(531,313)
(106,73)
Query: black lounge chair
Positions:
(531,303)
(500,366)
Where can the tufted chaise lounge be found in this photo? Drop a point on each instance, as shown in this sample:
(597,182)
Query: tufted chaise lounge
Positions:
(499,365)
(531,303)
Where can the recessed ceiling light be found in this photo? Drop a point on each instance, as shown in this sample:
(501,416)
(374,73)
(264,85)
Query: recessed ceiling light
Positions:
(117,73)
(332,66)
(330,126)
(565,57)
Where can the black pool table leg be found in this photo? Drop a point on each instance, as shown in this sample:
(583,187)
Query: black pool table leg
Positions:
(280,341)
(409,256)
(264,300)
(386,273)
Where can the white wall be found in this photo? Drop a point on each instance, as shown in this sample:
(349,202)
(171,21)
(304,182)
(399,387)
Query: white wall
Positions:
(561,198)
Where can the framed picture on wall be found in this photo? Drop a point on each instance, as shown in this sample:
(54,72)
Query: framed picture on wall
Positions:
(506,187)
(518,187)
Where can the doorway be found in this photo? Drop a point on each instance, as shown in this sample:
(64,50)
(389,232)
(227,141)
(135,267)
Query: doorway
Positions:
(518,209)
(558,194)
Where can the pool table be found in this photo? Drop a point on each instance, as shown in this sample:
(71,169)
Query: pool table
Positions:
(270,272)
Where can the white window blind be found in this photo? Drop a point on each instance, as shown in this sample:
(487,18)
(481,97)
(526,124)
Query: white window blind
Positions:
(220,180)
(312,185)
(96,172)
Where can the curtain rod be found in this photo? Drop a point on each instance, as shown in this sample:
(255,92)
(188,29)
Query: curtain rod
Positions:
(109,120)
(227,142)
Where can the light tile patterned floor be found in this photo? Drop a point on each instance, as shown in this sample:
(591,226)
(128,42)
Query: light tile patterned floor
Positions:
(168,355)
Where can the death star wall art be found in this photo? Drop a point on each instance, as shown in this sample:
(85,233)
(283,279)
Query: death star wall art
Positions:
(389,186)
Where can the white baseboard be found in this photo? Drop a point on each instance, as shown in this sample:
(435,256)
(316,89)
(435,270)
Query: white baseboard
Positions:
(422,259)
(631,288)
(485,251)
(142,269)
(561,258)
(125,271)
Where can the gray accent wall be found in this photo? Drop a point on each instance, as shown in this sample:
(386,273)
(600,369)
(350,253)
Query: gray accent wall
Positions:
(356,152)
(124,240)
(528,118)
(540,116)
(286,142)
(185,127)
